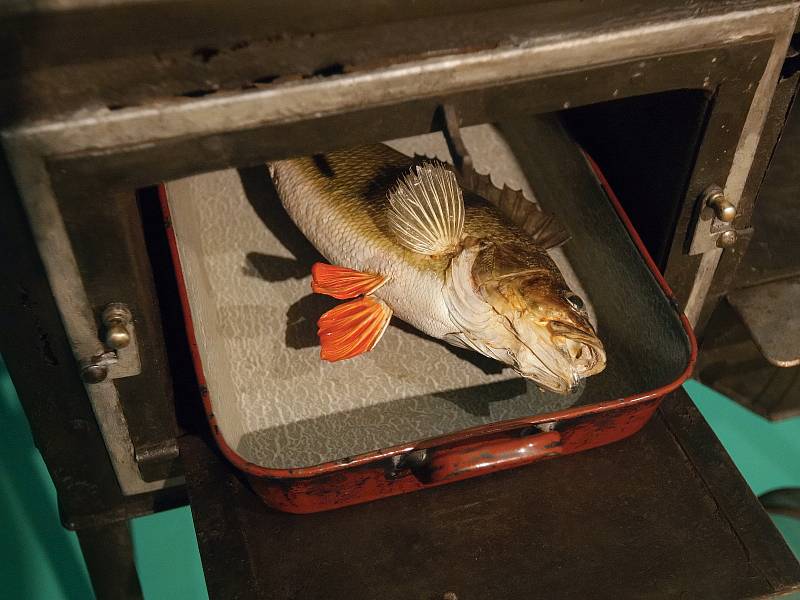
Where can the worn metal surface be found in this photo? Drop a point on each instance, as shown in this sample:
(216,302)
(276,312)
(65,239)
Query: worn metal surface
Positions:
(47,378)
(776,222)
(111,250)
(638,518)
(773,225)
(738,176)
(770,313)
(731,363)
(108,552)
(128,363)
(136,52)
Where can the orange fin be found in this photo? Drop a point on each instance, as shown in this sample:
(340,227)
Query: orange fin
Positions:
(343,283)
(352,328)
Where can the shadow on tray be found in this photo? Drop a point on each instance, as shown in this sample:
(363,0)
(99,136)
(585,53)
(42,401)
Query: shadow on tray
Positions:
(348,433)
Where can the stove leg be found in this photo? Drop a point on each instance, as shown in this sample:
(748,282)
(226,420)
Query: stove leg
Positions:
(108,552)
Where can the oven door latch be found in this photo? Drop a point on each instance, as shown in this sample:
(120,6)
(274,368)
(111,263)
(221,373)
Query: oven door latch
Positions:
(120,357)
(714,225)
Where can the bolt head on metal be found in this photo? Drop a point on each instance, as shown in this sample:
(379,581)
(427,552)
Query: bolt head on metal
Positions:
(723,209)
(726,239)
(94,373)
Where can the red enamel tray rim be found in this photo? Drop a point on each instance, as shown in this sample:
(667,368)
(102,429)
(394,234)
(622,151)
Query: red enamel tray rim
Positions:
(459,436)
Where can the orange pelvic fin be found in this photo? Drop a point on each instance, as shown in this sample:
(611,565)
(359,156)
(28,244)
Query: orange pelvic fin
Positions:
(341,282)
(352,328)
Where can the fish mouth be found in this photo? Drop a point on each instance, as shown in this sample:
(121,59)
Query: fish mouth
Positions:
(581,345)
(559,356)
(547,379)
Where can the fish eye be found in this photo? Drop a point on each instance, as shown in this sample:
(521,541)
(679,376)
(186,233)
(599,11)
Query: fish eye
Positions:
(575,301)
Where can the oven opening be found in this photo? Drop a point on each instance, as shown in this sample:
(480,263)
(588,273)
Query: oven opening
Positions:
(243,271)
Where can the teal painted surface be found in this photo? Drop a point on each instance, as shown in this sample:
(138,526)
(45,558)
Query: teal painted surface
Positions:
(38,559)
(41,561)
(167,556)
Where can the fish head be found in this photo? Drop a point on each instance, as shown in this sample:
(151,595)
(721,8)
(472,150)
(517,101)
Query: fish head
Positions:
(521,312)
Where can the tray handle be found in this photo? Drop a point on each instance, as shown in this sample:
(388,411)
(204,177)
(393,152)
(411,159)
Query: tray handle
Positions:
(469,460)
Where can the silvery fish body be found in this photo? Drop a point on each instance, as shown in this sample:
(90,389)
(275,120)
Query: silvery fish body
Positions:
(415,241)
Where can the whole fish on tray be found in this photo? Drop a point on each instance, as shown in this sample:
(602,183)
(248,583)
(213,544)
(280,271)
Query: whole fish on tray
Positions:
(455,257)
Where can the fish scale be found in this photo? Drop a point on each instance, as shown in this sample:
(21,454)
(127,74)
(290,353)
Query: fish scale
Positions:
(339,202)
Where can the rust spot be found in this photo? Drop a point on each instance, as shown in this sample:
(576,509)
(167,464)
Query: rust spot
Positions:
(198,93)
(46,350)
(205,53)
(328,70)
(266,79)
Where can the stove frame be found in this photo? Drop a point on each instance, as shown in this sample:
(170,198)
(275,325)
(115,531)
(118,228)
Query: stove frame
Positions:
(135,106)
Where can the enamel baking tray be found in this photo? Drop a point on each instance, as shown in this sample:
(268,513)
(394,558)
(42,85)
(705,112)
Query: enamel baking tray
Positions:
(413,413)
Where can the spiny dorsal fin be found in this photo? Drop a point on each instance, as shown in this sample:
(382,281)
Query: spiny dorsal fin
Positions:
(426,209)
(543,227)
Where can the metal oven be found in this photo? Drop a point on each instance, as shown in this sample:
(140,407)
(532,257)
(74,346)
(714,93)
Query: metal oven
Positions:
(679,103)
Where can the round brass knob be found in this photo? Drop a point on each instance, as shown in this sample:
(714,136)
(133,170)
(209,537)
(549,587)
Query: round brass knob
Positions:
(117,336)
(116,318)
(722,207)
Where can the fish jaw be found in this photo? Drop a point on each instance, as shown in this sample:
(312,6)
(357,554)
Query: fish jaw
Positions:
(543,352)
(556,359)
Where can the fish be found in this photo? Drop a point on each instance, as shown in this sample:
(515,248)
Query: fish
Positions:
(448,253)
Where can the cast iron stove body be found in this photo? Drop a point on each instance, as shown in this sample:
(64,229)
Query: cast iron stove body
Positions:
(671,99)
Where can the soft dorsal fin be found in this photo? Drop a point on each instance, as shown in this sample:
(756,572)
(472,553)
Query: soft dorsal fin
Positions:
(544,228)
(426,210)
